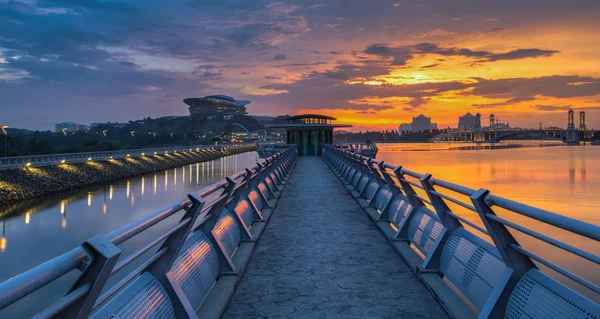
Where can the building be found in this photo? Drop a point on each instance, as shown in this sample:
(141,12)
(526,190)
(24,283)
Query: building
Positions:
(419,124)
(309,131)
(404,128)
(467,122)
(114,125)
(69,127)
(264,119)
(216,107)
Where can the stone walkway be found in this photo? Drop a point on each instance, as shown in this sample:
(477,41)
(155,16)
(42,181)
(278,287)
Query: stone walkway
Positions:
(321,257)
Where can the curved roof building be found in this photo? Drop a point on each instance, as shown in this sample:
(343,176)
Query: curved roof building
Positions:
(215,106)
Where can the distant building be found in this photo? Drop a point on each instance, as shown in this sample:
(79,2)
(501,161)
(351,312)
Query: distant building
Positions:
(467,122)
(216,107)
(69,127)
(419,124)
(404,128)
(264,119)
(114,125)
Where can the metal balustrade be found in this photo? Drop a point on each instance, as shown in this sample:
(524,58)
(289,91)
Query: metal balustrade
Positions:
(500,279)
(71,158)
(196,264)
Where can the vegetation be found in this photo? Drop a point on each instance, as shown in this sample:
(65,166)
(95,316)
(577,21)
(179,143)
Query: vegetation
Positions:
(114,136)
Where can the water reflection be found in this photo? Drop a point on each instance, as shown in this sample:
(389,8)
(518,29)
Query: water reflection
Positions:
(560,179)
(68,219)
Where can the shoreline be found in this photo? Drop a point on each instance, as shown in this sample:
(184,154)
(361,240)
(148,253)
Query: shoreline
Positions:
(19,185)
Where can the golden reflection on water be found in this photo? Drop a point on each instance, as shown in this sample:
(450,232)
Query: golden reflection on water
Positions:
(127,189)
(143,185)
(110,192)
(154,184)
(561,179)
(166,179)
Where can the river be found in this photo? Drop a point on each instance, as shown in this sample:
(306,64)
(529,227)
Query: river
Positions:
(562,179)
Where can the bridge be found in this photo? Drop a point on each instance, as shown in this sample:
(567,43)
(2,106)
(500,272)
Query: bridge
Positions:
(334,236)
(498,131)
(494,136)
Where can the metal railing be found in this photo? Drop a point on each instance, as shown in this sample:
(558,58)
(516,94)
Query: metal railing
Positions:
(425,190)
(71,158)
(98,258)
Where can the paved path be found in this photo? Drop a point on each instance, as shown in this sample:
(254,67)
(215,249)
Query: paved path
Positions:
(321,257)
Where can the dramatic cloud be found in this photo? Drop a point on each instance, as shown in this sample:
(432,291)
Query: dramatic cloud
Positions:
(402,54)
(372,62)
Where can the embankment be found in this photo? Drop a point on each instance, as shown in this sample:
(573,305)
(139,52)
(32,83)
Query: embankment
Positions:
(27,183)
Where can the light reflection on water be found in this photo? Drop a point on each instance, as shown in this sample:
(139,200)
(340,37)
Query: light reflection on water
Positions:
(561,179)
(36,231)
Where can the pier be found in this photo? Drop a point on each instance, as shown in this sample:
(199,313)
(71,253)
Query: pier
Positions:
(321,256)
(337,236)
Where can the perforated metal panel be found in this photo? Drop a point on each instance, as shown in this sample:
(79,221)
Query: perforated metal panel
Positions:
(256,200)
(277,172)
(196,268)
(350,174)
(539,296)
(471,264)
(356,178)
(424,229)
(227,232)
(262,187)
(383,197)
(399,209)
(270,184)
(244,210)
(371,189)
(274,178)
(363,182)
(144,298)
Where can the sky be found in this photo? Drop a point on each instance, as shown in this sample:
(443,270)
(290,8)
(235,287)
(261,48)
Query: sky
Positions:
(374,63)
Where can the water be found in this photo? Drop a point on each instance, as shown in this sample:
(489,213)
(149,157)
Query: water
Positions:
(558,178)
(44,228)
(562,179)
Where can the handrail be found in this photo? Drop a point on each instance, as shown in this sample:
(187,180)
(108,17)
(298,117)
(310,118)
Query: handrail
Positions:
(483,204)
(71,158)
(30,281)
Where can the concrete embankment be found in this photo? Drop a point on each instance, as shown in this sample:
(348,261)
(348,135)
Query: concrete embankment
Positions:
(26,183)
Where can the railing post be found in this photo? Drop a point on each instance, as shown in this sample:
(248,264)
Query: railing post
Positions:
(225,263)
(402,233)
(394,189)
(518,263)
(450,224)
(104,256)
(235,198)
(161,268)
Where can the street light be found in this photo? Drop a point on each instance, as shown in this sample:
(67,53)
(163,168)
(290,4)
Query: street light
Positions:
(104,132)
(64,131)
(4,127)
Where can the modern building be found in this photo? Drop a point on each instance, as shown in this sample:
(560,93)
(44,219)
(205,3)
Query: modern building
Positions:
(264,119)
(419,124)
(467,122)
(215,107)
(113,125)
(69,127)
(309,132)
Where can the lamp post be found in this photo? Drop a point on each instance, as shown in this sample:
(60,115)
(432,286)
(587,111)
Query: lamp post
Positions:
(4,127)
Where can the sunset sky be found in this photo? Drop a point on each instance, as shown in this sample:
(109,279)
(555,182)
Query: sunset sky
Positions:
(374,64)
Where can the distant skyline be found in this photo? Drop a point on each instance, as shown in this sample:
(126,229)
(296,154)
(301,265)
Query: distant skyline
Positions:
(374,64)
